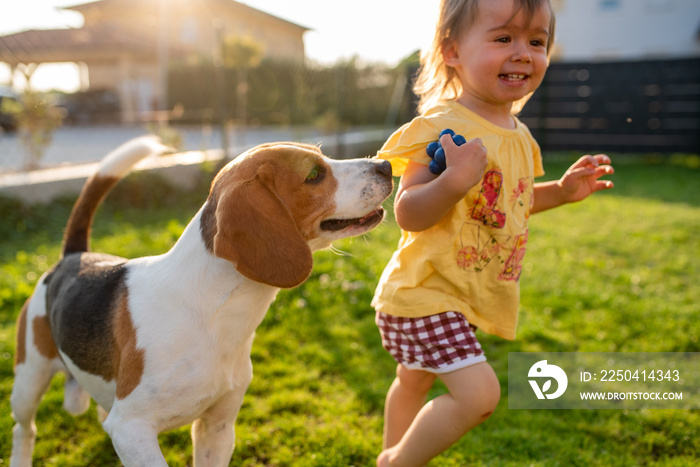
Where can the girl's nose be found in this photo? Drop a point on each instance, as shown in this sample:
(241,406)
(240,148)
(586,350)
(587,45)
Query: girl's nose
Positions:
(521,54)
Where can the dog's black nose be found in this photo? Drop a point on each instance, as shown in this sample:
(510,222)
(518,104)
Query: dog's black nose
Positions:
(383,167)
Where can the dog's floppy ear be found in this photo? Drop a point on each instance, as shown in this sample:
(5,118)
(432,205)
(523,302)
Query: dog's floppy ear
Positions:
(257,233)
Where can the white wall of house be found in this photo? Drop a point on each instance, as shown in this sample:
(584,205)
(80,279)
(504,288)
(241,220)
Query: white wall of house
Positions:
(611,30)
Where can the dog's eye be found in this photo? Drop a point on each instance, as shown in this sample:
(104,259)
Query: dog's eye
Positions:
(316,175)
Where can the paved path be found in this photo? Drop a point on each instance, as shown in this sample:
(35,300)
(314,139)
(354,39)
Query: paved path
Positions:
(75,145)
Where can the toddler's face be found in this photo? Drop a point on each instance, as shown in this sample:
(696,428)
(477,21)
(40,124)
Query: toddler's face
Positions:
(502,56)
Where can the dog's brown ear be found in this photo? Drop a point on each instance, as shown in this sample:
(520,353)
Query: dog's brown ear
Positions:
(257,233)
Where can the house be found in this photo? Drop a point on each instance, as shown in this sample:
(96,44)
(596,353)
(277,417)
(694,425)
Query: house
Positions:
(626,30)
(624,77)
(126,45)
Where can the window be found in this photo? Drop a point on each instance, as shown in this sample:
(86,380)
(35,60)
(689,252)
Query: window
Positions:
(609,5)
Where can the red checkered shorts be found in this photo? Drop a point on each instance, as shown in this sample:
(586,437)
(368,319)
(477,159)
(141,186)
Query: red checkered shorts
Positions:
(439,343)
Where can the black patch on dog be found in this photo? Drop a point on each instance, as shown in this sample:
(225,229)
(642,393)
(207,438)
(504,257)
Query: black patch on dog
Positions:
(207,223)
(82,292)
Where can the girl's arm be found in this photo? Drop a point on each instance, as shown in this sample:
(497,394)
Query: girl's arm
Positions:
(577,183)
(423,198)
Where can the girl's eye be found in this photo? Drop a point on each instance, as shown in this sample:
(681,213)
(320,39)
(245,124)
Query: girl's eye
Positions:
(504,39)
(537,43)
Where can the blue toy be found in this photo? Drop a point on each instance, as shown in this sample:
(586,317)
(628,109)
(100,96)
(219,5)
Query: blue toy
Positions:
(438,164)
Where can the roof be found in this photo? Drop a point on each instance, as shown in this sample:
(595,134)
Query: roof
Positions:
(104,40)
(56,45)
(106,5)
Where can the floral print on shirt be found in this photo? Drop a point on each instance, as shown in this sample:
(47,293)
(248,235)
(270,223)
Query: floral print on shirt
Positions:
(490,220)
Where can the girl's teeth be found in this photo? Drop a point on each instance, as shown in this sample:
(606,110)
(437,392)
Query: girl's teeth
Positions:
(514,77)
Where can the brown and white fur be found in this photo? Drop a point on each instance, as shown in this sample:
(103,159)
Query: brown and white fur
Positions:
(159,342)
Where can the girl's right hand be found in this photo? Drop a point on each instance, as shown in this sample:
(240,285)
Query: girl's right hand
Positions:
(466,164)
(424,198)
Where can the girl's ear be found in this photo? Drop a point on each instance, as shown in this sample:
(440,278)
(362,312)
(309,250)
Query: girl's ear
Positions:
(450,53)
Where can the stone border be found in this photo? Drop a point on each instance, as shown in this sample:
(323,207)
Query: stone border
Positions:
(41,186)
(182,169)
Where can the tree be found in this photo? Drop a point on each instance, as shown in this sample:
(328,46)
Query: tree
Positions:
(242,53)
(37,119)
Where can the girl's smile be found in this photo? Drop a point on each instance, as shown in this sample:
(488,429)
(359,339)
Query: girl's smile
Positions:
(512,79)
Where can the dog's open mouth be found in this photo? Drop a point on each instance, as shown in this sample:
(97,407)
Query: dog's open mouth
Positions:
(370,219)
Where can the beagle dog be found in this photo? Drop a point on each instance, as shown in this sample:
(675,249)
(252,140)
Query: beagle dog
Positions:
(163,341)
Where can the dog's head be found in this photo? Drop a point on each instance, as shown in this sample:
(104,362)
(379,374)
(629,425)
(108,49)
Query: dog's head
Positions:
(272,206)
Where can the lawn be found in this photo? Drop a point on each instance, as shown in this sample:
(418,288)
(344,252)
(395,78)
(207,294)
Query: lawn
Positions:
(617,272)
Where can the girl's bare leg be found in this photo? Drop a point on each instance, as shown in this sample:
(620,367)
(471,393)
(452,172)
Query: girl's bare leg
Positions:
(404,400)
(474,392)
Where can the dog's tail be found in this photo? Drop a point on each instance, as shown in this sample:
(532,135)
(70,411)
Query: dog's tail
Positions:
(113,167)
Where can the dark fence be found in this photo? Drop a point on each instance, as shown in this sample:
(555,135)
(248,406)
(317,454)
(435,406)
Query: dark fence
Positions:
(645,106)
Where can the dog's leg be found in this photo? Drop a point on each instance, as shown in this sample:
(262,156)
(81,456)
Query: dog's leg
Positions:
(36,361)
(135,441)
(213,435)
(32,380)
(101,415)
(76,400)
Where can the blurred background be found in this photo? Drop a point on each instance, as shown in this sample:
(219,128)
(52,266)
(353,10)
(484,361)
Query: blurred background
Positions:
(81,78)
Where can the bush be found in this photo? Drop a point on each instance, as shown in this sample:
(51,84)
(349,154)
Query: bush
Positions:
(288,93)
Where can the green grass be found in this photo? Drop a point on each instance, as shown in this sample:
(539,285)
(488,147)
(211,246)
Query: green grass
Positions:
(617,272)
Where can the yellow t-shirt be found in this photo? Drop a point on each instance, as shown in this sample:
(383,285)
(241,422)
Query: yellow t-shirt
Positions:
(471,260)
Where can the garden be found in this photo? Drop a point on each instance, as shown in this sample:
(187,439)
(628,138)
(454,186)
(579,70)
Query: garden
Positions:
(615,273)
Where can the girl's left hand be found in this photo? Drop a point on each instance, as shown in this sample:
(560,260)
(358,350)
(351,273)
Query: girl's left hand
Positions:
(582,178)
